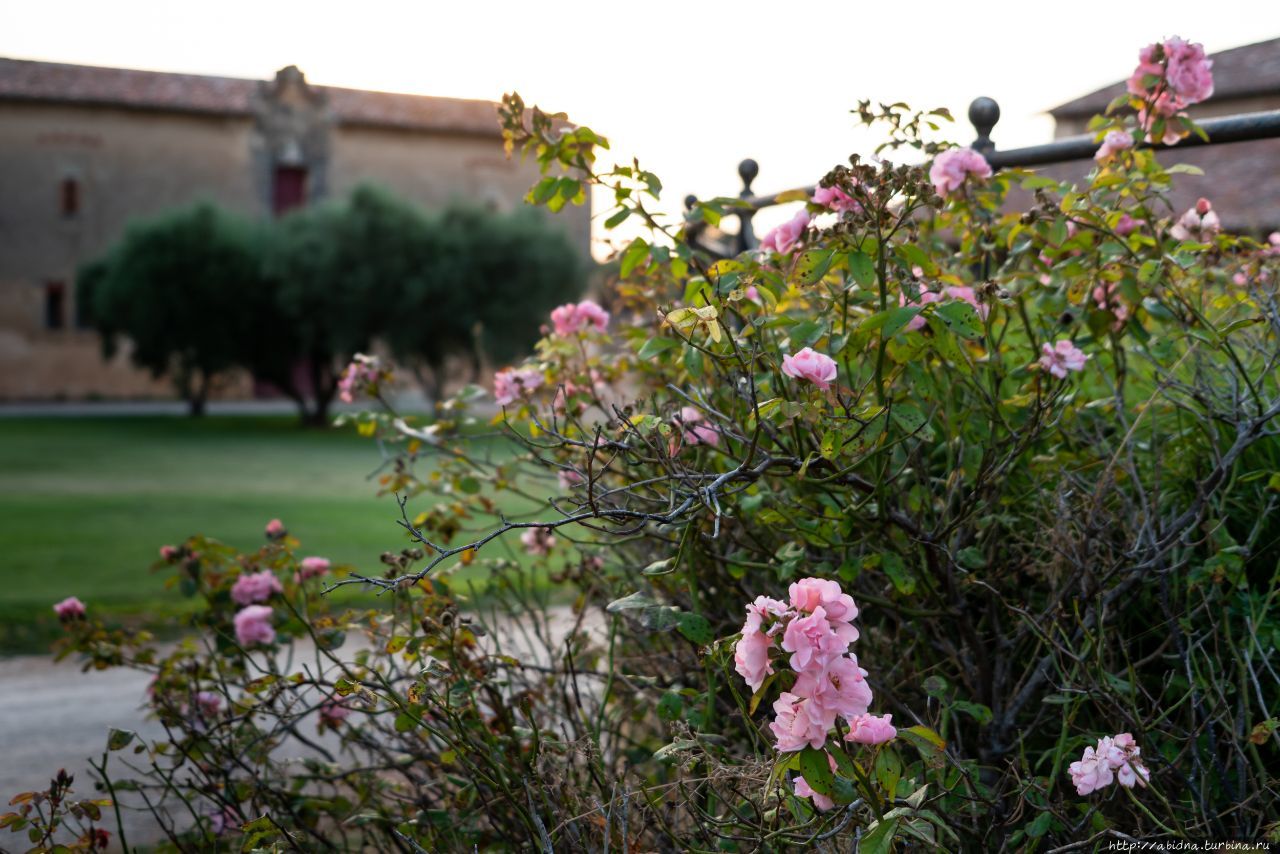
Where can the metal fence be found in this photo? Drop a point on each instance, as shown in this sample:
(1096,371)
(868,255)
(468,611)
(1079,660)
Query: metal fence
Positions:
(984,113)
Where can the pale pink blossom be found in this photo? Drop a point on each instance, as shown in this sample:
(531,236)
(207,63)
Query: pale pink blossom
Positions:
(333,712)
(312,567)
(168,552)
(787,235)
(68,609)
(1062,357)
(538,541)
(360,376)
(253,625)
(871,729)
(255,587)
(695,428)
(951,168)
(836,199)
(1198,223)
(275,529)
(812,366)
(569,479)
(820,801)
(836,686)
(1126,224)
(1115,141)
(1189,72)
(808,593)
(1106,298)
(511,384)
(1090,773)
(792,725)
(752,293)
(812,641)
(751,654)
(572,318)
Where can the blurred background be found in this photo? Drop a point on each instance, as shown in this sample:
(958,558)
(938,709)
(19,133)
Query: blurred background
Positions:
(209,209)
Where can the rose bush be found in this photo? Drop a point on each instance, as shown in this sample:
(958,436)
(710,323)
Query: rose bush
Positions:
(1030,449)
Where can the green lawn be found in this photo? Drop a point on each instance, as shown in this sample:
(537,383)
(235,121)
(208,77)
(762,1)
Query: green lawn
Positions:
(85,504)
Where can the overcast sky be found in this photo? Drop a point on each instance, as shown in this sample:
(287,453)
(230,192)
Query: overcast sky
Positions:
(691,87)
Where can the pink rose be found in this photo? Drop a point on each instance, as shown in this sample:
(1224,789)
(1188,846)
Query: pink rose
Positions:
(68,609)
(1189,72)
(538,541)
(951,167)
(275,529)
(751,658)
(812,366)
(1059,358)
(570,318)
(792,726)
(253,625)
(1126,224)
(820,801)
(871,729)
(510,384)
(812,641)
(1115,141)
(1198,223)
(787,235)
(333,712)
(255,587)
(1090,773)
(836,199)
(696,430)
(168,552)
(1122,752)
(312,567)
(835,687)
(1106,299)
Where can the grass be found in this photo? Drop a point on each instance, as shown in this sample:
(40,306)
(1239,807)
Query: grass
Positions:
(86,503)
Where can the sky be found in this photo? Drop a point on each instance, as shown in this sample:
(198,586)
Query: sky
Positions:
(689,87)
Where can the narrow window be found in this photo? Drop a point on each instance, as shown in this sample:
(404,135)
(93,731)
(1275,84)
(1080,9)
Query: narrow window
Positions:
(288,189)
(55,305)
(69,197)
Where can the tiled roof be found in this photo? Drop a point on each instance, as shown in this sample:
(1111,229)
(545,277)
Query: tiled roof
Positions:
(154,90)
(1253,69)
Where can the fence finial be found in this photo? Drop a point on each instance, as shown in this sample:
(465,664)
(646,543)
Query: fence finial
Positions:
(747,171)
(983,114)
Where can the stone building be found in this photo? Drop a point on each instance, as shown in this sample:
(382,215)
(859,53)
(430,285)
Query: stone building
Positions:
(1241,178)
(84,150)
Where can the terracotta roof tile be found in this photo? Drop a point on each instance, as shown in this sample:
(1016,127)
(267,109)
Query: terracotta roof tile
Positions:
(154,90)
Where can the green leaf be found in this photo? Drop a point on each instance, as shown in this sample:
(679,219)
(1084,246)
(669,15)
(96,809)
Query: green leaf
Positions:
(890,321)
(404,722)
(880,839)
(816,769)
(909,418)
(1040,826)
(903,581)
(655,347)
(618,218)
(670,706)
(977,711)
(118,739)
(636,252)
(925,740)
(695,628)
(812,265)
(961,318)
(862,268)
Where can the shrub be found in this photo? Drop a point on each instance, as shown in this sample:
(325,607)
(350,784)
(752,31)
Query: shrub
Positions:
(1014,471)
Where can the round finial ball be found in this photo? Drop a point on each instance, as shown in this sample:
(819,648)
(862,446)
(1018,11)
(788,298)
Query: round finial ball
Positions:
(984,113)
(689,201)
(748,170)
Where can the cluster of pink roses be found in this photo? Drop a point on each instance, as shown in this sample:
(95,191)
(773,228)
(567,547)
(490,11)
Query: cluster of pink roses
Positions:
(1170,77)
(361,376)
(1198,223)
(572,318)
(816,628)
(1114,759)
(951,167)
(836,199)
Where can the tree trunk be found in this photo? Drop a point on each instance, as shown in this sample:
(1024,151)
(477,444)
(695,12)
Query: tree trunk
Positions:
(198,396)
(323,386)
